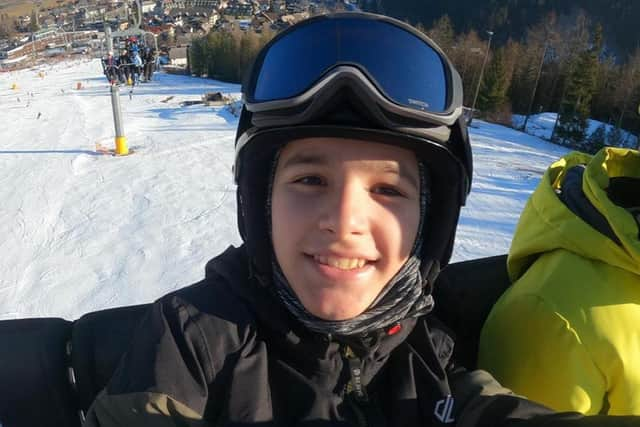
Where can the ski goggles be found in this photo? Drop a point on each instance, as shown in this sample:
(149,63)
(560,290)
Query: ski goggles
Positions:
(407,77)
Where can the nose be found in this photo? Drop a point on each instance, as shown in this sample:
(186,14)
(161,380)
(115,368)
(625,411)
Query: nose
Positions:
(345,212)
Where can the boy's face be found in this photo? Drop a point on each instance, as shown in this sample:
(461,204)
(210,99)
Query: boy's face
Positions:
(345,215)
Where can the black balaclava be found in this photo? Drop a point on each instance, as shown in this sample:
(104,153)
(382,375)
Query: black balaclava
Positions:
(405,295)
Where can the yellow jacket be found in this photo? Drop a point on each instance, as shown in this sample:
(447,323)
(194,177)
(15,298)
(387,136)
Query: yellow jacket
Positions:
(567,332)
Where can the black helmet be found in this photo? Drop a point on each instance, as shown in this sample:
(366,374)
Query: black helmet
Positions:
(358,76)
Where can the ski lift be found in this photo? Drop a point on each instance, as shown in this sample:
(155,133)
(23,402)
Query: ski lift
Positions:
(135,33)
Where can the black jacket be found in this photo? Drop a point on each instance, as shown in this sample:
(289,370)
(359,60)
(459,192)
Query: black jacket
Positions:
(224,352)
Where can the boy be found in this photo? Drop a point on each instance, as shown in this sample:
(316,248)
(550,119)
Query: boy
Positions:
(352,164)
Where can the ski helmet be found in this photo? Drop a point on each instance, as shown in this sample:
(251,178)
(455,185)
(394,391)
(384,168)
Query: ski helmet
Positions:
(359,76)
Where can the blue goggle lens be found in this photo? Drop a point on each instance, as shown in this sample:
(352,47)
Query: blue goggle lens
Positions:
(406,69)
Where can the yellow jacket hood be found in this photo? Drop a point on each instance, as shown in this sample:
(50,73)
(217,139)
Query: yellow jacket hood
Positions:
(548,224)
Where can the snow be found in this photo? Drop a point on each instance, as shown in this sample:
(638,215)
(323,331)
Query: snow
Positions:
(508,165)
(83,231)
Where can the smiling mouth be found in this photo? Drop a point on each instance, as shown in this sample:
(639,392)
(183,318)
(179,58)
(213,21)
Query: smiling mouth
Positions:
(341,263)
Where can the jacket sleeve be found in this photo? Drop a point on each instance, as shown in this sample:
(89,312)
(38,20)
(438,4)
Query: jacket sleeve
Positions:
(483,402)
(535,351)
(163,378)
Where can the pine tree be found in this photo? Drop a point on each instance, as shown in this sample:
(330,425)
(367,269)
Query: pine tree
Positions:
(226,55)
(493,93)
(222,57)
(33,23)
(442,33)
(7,29)
(575,108)
(597,139)
(198,60)
(615,137)
(247,51)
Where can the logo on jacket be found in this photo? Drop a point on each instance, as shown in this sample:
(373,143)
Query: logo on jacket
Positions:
(444,409)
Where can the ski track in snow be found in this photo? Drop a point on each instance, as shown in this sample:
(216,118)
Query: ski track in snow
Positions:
(86,231)
(82,231)
(508,165)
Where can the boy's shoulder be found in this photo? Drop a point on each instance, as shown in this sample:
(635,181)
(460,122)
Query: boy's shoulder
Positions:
(220,298)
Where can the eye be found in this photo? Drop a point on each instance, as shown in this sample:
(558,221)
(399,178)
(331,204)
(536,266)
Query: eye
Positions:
(386,190)
(311,180)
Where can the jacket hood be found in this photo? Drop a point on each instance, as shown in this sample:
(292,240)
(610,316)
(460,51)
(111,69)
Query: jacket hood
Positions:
(590,225)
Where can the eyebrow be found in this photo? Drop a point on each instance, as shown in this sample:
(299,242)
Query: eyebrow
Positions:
(389,167)
(305,159)
(299,159)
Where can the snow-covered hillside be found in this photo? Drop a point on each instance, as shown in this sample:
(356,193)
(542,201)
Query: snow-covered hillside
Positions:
(83,231)
(542,125)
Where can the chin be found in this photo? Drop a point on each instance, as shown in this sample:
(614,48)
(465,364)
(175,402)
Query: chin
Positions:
(332,313)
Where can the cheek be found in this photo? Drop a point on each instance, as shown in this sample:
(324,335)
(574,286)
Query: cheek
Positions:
(397,229)
(287,219)
(411,222)
(279,217)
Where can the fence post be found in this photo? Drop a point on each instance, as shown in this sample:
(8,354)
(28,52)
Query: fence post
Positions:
(121,141)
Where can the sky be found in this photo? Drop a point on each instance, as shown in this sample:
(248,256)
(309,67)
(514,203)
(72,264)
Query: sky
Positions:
(82,231)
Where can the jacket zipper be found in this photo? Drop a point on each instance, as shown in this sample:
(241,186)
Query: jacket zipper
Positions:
(355,393)
(355,386)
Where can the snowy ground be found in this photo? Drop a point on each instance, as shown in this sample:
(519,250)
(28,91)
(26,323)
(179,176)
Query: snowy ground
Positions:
(508,165)
(82,231)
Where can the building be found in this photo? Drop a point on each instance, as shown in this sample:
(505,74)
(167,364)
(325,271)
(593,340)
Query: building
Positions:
(148,6)
(14,54)
(238,9)
(13,57)
(48,39)
(190,4)
(178,56)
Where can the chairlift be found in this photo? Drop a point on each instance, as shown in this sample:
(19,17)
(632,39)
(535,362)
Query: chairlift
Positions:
(136,31)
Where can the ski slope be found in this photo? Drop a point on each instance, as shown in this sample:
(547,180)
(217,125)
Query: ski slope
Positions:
(81,231)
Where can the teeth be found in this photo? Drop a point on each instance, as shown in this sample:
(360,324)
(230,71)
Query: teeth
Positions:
(341,263)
